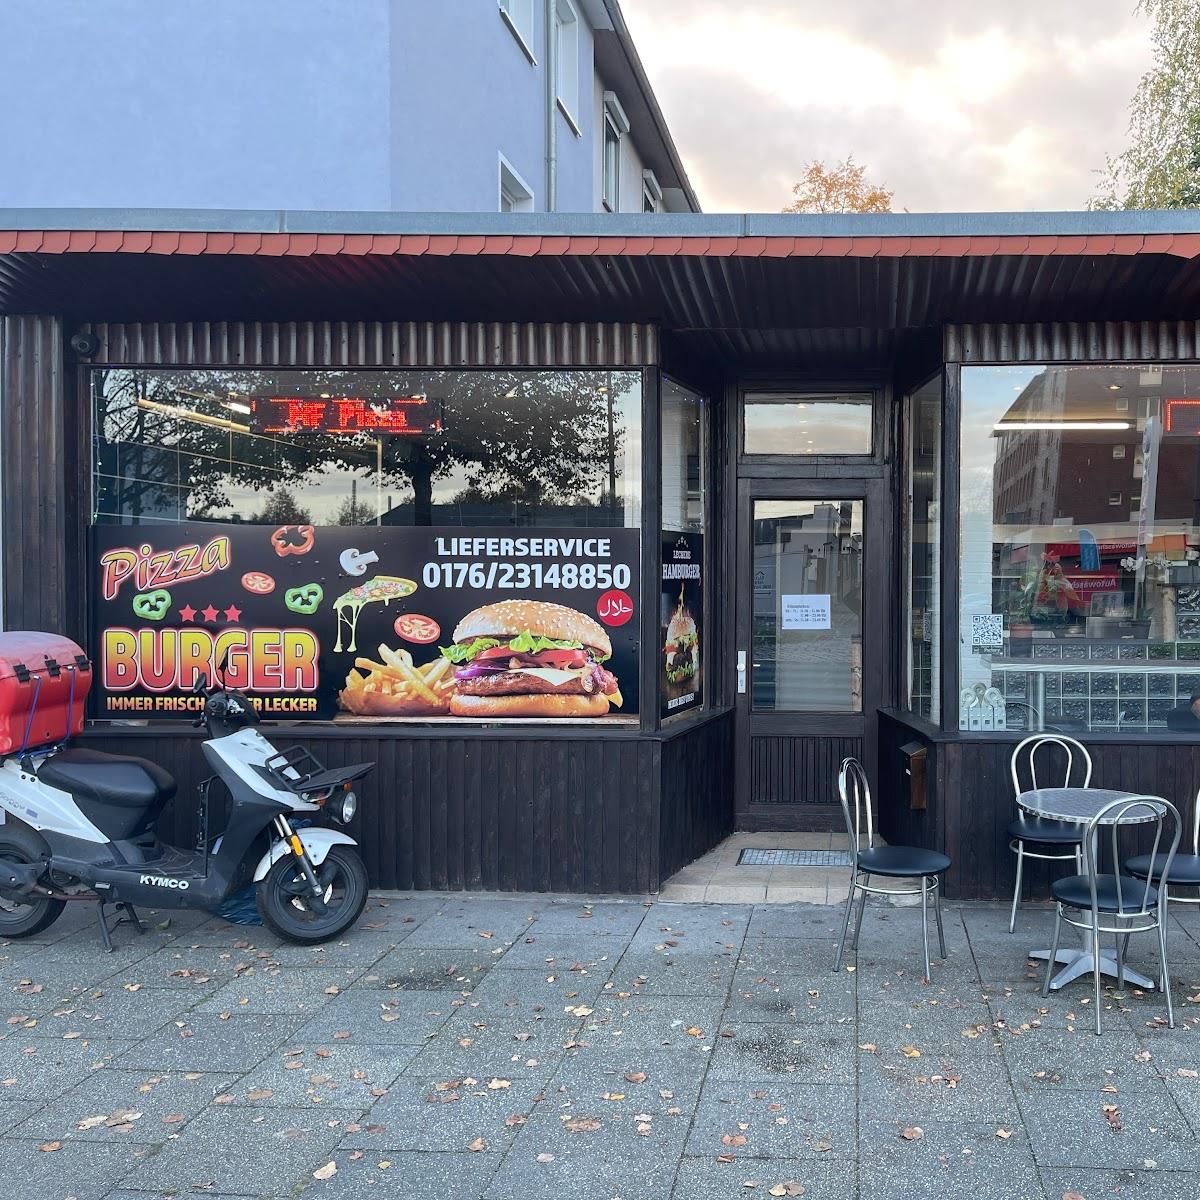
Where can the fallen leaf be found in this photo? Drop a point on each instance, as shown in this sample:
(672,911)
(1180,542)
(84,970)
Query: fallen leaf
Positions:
(822,1145)
(260,1094)
(914,1133)
(582,1124)
(694,1031)
(477,1145)
(612,1096)
(174,1118)
(1112,1114)
(726,1158)
(1004,1134)
(789,1188)
(910,1052)
(497,1085)
(640,1076)
(733,1139)
(328,1171)
(515,1119)
(90,1122)
(545,1158)
(1073,1196)
(1186,1072)
(870,1048)
(50,1147)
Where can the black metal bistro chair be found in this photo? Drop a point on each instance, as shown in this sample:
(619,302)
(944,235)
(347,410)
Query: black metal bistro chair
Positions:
(899,862)
(1185,868)
(1117,903)
(1041,837)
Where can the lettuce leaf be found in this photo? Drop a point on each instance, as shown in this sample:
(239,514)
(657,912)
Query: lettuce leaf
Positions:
(523,643)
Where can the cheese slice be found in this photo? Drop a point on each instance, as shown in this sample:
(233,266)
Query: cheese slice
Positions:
(553,676)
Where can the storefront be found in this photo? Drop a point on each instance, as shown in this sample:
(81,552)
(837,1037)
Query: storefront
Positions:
(604,546)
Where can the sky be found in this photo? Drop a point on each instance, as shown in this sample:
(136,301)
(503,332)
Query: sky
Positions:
(954,106)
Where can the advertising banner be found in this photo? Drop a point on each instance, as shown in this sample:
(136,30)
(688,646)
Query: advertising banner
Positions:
(681,675)
(353,622)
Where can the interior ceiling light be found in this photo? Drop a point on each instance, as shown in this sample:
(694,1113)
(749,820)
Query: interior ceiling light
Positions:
(1022,426)
(1114,387)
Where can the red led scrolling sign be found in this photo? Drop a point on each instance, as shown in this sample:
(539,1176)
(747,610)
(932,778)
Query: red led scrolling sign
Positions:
(411,415)
(1183,416)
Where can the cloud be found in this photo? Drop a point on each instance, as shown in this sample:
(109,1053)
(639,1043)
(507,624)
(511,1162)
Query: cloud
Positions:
(952,108)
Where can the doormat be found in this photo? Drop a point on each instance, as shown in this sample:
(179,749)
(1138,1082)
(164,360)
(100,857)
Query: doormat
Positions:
(793,858)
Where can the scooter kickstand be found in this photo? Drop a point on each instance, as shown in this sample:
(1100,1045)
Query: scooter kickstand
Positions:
(104,934)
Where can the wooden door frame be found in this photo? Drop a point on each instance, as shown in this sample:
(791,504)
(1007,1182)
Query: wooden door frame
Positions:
(867,476)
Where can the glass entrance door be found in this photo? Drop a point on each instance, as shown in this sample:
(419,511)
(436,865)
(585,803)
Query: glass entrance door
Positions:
(813,577)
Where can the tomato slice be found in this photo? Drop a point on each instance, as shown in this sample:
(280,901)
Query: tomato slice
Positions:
(494,652)
(414,627)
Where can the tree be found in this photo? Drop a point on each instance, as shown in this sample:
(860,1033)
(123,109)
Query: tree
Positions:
(1161,166)
(281,508)
(841,188)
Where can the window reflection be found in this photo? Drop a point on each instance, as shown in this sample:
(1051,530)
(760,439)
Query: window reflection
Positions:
(514,448)
(783,423)
(1080,547)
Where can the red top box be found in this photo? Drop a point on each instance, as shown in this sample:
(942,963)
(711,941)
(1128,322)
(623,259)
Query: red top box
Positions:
(48,676)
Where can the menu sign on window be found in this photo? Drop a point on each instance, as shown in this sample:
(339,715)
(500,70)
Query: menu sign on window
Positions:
(681,677)
(367,622)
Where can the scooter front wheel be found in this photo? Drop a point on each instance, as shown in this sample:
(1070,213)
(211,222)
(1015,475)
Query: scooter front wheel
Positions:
(25,915)
(284,897)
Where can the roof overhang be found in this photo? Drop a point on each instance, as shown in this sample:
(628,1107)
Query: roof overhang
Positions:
(730,285)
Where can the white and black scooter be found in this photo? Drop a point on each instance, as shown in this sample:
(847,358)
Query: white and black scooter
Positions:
(79,825)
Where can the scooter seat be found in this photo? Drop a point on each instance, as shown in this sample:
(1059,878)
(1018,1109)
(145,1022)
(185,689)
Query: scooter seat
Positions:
(115,780)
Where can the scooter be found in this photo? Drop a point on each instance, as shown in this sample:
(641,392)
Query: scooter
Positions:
(79,825)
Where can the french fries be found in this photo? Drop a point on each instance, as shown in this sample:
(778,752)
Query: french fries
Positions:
(395,686)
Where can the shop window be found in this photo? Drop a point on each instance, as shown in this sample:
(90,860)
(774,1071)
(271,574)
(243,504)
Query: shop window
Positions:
(557,448)
(1080,537)
(922,547)
(790,423)
(681,663)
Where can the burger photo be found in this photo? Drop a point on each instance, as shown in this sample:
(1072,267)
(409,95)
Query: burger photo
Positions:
(525,658)
(682,649)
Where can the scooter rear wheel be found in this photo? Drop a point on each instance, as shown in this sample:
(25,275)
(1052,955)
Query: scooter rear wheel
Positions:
(23,916)
(283,891)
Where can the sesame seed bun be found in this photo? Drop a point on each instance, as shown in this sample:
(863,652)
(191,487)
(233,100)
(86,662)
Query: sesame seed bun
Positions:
(540,705)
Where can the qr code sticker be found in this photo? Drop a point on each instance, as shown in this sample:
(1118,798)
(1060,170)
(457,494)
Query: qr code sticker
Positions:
(987,630)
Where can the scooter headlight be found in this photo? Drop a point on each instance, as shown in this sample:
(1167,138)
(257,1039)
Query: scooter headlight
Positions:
(342,808)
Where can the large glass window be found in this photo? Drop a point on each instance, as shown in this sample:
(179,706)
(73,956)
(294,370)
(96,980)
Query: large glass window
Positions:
(682,459)
(346,447)
(807,617)
(791,423)
(922,547)
(1080,538)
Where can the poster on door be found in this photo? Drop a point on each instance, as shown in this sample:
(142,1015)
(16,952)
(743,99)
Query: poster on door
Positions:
(366,622)
(681,675)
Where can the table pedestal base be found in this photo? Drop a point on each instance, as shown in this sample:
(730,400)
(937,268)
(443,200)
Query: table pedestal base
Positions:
(1079,962)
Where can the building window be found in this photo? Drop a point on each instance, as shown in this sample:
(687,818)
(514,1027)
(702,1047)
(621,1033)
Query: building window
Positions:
(616,125)
(488,447)
(515,194)
(922,547)
(518,16)
(1080,566)
(566,59)
(651,192)
(790,423)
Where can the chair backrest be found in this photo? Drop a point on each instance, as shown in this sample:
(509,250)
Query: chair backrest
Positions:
(1037,750)
(1196,826)
(1144,812)
(855,794)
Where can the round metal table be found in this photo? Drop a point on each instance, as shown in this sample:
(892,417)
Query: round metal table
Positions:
(1079,806)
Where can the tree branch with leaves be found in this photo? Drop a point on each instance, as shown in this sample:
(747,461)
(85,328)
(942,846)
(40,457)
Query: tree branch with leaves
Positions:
(841,188)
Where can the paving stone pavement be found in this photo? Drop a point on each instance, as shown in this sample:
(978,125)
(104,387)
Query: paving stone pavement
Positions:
(481,1048)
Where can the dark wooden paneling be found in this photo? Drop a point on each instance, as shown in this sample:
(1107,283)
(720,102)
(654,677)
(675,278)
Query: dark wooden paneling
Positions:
(1073,341)
(574,814)
(798,770)
(970,801)
(377,344)
(696,807)
(34,471)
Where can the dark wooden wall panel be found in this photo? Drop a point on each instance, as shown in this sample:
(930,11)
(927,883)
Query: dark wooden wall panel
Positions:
(697,804)
(971,801)
(503,813)
(798,770)
(34,467)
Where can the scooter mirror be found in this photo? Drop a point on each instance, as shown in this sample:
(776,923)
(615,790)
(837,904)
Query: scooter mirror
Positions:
(199,684)
(220,671)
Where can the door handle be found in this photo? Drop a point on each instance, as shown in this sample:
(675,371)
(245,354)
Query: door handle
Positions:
(741,672)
